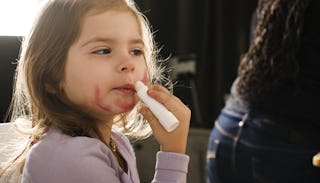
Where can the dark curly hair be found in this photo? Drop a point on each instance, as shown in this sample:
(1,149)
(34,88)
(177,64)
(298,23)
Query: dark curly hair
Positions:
(271,61)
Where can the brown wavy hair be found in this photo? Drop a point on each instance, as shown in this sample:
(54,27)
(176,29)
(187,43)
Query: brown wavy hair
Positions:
(271,61)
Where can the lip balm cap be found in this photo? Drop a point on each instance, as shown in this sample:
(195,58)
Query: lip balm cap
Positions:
(138,85)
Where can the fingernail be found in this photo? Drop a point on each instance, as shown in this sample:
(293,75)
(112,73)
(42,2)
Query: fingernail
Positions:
(142,110)
(150,92)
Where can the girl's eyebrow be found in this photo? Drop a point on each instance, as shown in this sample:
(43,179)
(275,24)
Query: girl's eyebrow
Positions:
(108,40)
(136,41)
(97,39)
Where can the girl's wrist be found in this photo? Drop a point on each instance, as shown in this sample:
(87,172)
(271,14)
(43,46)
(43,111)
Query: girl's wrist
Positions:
(181,150)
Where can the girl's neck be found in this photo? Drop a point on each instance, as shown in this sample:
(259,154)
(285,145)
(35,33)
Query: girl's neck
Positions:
(105,130)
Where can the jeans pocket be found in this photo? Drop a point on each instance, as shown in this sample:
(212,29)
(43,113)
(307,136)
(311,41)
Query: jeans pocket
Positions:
(211,160)
(219,161)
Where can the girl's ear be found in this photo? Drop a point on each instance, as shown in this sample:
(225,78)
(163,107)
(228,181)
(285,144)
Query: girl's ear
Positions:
(50,89)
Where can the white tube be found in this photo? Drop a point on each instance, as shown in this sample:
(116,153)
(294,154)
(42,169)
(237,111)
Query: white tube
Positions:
(165,117)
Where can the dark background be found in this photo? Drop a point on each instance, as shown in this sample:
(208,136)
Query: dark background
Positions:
(214,32)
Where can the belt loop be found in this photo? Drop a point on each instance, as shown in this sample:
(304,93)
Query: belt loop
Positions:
(236,141)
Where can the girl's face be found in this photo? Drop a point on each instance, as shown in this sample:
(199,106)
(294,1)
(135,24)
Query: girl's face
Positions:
(104,63)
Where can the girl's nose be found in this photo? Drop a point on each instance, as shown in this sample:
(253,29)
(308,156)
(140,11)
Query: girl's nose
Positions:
(127,66)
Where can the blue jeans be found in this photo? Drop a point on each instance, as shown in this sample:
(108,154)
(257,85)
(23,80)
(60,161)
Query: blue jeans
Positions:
(253,150)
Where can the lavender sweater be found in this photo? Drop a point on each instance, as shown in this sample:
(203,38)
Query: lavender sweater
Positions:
(59,158)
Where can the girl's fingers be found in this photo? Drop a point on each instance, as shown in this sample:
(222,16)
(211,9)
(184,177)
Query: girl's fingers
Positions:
(163,96)
(176,140)
(159,88)
(151,118)
(171,102)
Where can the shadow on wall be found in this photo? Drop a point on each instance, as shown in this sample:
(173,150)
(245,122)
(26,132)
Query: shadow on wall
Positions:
(9,51)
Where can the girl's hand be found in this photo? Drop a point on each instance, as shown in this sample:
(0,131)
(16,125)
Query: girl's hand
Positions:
(175,141)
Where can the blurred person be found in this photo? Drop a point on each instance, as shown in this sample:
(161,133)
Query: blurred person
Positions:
(268,130)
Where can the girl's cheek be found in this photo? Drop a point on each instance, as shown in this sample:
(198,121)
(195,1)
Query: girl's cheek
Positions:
(97,100)
(144,77)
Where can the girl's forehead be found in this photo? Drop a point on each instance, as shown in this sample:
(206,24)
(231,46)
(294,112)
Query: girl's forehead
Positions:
(112,23)
(110,13)
(111,16)
(118,8)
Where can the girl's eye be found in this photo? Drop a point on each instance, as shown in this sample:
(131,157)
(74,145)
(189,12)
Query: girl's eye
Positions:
(102,51)
(136,52)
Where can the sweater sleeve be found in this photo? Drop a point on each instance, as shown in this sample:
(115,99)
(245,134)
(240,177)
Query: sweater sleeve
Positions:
(79,161)
(171,167)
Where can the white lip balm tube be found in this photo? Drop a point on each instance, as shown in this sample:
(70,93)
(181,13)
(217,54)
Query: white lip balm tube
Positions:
(165,117)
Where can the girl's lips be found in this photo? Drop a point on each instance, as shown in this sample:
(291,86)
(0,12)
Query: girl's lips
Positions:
(126,89)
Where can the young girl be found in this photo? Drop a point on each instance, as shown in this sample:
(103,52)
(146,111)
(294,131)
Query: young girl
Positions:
(75,86)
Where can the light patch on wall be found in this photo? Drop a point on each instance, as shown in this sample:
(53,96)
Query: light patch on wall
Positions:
(16,16)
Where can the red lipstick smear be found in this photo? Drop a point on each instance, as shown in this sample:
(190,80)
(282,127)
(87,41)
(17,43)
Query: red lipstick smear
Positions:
(145,77)
(124,105)
(97,100)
